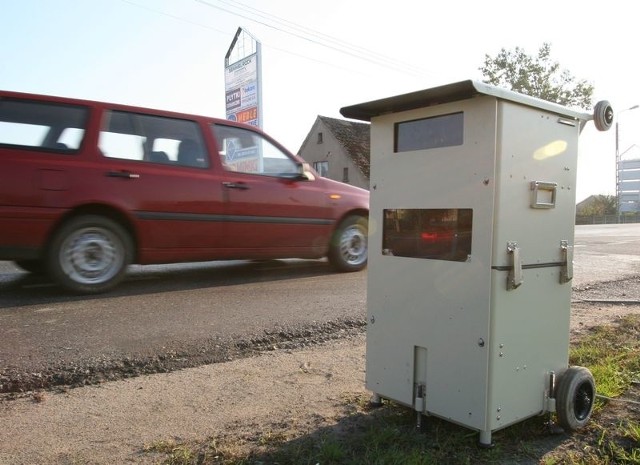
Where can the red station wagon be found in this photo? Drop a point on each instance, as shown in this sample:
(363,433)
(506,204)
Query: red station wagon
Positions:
(87,188)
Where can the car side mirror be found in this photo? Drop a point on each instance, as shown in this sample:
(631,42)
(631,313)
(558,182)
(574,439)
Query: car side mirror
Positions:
(304,169)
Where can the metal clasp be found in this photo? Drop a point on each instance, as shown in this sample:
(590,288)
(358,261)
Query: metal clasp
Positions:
(515,277)
(566,271)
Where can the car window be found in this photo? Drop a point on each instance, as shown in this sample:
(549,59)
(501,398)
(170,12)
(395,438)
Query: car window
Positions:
(245,151)
(50,126)
(153,139)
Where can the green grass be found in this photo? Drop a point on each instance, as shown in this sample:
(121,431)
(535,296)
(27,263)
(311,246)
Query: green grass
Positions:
(388,436)
(612,353)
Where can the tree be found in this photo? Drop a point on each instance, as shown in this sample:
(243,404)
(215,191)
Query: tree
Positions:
(537,76)
(598,205)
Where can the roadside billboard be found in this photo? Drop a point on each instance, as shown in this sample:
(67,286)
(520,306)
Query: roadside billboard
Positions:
(243,96)
(241,90)
(242,77)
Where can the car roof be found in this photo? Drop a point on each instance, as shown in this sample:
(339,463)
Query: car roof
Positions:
(118,106)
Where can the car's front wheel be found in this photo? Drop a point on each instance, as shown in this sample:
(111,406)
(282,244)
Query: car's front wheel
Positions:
(89,254)
(348,250)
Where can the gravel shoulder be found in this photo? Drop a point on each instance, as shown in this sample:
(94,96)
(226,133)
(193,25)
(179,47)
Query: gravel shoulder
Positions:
(112,422)
(301,388)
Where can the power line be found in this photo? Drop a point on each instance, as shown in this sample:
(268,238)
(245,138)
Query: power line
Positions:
(315,37)
(177,18)
(228,34)
(342,46)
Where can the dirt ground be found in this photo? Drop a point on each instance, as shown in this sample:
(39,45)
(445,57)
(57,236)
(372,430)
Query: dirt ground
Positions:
(296,389)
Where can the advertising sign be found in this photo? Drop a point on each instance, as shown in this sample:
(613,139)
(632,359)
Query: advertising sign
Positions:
(242,76)
(242,80)
(246,160)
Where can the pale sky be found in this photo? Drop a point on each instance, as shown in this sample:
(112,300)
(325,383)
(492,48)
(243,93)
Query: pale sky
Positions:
(169,54)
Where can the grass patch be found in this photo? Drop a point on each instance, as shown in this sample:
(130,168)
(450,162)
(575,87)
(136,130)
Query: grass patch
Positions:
(612,353)
(176,453)
(388,435)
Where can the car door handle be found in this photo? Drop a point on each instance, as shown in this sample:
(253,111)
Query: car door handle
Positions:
(235,185)
(123,174)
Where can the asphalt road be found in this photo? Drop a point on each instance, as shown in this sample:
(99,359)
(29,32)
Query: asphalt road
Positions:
(606,253)
(160,304)
(167,317)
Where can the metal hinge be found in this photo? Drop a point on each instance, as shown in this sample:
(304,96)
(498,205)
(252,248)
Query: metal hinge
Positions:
(515,277)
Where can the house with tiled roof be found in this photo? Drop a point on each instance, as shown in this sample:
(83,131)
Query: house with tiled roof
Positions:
(339,149)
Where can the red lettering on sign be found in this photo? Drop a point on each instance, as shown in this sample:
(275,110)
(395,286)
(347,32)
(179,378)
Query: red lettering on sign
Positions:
(247,115)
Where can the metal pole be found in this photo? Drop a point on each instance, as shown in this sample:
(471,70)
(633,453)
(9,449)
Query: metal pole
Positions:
(618,161)
(617,174)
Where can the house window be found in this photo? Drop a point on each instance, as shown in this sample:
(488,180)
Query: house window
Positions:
(322,167)
(345,174)
(319,138)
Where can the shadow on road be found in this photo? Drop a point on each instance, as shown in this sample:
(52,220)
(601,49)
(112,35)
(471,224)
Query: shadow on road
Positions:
(21,289)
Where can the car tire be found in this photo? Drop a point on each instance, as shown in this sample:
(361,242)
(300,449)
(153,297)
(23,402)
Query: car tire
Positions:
(89,254)
(575,397)
(348,250)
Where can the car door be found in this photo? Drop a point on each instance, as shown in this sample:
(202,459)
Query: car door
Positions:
(158,169)
(270,207)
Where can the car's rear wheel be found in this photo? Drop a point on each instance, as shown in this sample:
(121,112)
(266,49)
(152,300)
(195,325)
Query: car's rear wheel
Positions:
(89,254)
(348,250)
